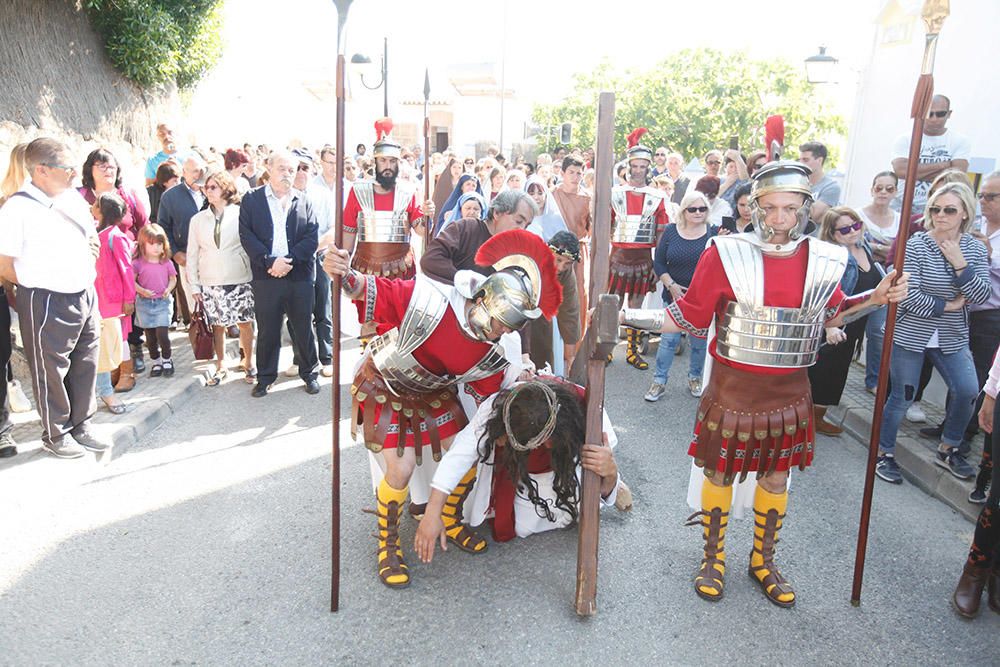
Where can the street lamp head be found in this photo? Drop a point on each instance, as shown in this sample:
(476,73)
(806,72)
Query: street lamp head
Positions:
(820,68)
(360,59)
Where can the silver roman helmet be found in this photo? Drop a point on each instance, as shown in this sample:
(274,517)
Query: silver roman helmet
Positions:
(780,176)
(524,286)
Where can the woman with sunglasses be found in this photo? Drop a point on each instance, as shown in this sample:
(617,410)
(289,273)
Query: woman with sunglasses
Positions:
(881,222)
(842,226)
(881,228)
(949,270)
(677,254)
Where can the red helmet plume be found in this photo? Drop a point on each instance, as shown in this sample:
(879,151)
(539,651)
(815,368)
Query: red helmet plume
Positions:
(634,137)
(383,128)
(774,137)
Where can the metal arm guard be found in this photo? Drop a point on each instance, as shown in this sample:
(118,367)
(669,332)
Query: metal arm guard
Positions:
(645,319)
(857,306)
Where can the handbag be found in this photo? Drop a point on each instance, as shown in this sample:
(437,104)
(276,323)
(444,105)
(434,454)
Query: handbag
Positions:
(202,340)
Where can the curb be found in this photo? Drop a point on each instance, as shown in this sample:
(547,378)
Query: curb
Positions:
(916,461)
(147,417)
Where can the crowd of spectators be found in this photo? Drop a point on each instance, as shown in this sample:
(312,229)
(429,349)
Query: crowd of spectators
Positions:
(239,235)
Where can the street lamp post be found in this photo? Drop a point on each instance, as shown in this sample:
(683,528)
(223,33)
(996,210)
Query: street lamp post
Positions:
(361,59)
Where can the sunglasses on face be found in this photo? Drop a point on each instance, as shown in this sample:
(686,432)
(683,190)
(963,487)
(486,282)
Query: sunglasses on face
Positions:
(850,228)
(988,196)
(884,188)
(661,155)
(714,162)
(304,167)
(938,114)
(696,209)
(947,210)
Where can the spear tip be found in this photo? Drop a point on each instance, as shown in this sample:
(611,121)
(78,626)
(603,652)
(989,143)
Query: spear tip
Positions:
(427,84)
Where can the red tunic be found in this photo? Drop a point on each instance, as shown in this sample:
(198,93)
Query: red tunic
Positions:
(447,351)
(707,297)
(633,205)
(383,202)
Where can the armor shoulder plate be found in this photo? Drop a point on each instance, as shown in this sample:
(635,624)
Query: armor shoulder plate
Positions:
(743,263)
(426,308)
(827,263)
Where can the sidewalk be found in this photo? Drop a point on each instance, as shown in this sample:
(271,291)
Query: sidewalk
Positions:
(152,402)
(914,452)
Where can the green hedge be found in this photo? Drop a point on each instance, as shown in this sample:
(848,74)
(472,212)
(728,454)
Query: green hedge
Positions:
(154,42)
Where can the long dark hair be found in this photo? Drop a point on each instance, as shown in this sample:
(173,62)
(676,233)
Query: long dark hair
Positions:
(528,413)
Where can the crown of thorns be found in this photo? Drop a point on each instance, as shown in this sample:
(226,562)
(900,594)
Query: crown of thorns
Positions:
(565,252)
(547,428)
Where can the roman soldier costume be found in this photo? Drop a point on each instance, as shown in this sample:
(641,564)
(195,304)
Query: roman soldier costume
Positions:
(638,217)
(770,303)
(382,221)
(434,340)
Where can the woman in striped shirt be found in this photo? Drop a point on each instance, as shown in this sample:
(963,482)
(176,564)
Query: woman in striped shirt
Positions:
(948,270)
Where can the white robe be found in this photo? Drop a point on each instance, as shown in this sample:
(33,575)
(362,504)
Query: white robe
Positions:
(464,453)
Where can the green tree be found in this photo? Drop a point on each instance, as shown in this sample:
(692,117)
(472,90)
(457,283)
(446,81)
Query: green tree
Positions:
(154,42)
(694,102)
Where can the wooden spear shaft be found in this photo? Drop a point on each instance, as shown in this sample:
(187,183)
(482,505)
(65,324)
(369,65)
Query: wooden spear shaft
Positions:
(338,232)
(934,13)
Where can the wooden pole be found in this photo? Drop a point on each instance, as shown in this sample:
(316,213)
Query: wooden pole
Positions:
(934,13)
(342,8)
(604,333)
(428,220)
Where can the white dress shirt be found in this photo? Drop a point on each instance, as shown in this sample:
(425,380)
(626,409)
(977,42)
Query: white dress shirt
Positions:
(279,216)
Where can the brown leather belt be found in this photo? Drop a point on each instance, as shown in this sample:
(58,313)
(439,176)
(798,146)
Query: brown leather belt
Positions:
(385,260)
(752,416)
(631,272)
(414,411)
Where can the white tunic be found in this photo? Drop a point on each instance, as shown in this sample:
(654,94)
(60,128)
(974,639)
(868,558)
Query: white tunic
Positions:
(464,453)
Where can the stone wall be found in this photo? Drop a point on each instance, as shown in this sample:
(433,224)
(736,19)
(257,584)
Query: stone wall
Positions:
(57,81)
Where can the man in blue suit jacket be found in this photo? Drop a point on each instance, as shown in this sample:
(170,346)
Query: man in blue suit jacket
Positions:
(278,230)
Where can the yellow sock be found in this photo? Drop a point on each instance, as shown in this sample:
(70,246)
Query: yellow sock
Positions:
(385,495)
(763,502)
(715,497)
(451,514)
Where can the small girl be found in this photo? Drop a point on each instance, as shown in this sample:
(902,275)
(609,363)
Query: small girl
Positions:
(155,279)
(115,286)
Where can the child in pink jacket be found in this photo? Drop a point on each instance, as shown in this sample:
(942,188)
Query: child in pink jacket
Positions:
(115,286)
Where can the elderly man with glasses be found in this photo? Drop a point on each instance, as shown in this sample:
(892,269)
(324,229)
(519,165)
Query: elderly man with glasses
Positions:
(940,149)
(48,248)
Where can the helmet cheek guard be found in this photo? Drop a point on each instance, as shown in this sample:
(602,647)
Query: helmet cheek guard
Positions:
(765,231)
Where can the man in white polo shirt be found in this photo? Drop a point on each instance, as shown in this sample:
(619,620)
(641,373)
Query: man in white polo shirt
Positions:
(48,247)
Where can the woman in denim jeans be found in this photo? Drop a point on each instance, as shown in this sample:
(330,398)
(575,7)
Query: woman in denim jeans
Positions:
(676,256)
(948,269)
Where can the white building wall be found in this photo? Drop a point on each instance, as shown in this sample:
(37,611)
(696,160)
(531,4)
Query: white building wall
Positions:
(967,52)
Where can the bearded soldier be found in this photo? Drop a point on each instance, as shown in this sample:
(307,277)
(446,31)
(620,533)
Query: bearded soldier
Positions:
(771,291)
(432,341)
(638,217)
(381,214)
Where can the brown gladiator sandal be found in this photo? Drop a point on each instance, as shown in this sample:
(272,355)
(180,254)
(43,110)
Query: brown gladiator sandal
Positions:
(390,555)
(451,514)
(772,584)
(711,572)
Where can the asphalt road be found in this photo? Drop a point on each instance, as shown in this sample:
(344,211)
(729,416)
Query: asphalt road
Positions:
(209,544)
